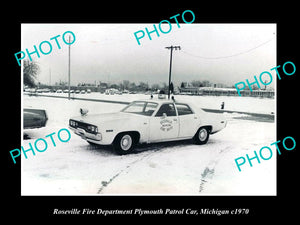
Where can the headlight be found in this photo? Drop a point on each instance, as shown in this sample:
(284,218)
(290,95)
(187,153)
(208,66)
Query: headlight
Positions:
(73,123)
(92,128)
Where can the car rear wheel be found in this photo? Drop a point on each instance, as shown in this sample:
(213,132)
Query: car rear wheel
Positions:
(124,143)
(202,136)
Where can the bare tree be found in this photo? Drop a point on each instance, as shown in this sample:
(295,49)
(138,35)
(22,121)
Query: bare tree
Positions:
(30,71)
(132,86)
(197,83)
(126,84)
(143,86)
(155,87)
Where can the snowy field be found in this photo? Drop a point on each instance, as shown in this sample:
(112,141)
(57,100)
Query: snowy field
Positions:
(173,168)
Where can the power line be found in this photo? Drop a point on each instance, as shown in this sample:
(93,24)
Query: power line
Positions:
(228,56)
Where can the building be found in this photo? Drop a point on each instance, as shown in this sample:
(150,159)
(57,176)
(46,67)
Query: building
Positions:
(214,91)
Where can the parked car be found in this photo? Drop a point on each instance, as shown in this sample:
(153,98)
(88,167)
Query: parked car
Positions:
(147,121)
(34,118)
(77,91)
(82,92)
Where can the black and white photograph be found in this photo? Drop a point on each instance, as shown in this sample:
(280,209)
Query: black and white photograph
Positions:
(144,109)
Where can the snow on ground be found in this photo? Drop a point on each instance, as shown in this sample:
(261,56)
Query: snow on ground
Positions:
(180,168)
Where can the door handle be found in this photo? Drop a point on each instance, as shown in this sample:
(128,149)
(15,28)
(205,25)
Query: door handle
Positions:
(175,119)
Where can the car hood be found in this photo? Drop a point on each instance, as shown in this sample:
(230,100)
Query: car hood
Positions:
(103,117)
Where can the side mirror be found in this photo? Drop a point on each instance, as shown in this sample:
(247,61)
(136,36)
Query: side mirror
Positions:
(164,115)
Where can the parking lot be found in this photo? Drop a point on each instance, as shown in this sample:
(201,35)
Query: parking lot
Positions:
(171,168)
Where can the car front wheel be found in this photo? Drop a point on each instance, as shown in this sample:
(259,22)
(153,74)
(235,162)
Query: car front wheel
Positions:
(124,143)
(202,135)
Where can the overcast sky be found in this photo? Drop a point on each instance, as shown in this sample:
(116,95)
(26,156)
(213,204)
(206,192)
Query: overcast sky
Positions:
(220,53)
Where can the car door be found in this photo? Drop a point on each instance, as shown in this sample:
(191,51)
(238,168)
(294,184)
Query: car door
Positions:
(187,120)
(164,124)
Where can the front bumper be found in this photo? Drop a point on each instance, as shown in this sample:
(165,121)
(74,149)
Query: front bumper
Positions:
(86,135)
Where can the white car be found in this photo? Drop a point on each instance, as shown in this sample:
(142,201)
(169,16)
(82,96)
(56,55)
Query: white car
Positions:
(147,121)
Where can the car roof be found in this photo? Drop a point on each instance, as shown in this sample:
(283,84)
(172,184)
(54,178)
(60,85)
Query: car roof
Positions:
(159,101)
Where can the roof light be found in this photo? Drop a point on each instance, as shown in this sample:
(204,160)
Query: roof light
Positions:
(161,96)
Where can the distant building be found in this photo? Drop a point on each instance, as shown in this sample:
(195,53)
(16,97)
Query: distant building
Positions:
(225,92)
(189,90)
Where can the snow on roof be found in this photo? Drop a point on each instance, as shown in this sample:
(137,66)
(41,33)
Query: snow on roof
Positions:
(158,100)
(229,89)
(154,100)
(216,89)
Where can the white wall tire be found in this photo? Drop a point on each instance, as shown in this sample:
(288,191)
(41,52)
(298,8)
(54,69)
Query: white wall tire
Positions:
(202,136)
(124,143)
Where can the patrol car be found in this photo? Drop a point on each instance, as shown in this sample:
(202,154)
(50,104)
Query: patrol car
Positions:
(147,121)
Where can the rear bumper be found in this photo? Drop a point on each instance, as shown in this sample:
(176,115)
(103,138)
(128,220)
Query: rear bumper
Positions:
(219,127)
(34,118)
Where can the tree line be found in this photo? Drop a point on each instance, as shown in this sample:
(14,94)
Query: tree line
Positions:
(31,70)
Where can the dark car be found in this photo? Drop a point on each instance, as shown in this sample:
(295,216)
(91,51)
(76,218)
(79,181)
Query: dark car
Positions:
(34,118)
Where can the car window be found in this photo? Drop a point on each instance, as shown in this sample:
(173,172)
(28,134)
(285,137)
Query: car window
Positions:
(168,108)
(183,109)
(135,107)
(142,108)
(150,108)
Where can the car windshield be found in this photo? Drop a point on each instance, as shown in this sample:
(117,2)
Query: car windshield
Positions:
(141,108)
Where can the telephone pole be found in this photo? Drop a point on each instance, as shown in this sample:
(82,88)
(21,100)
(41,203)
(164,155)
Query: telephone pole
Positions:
(69,68)
(171,47)
(50,77)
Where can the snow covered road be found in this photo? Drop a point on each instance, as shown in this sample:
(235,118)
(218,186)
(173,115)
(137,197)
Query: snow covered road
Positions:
(173,168)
